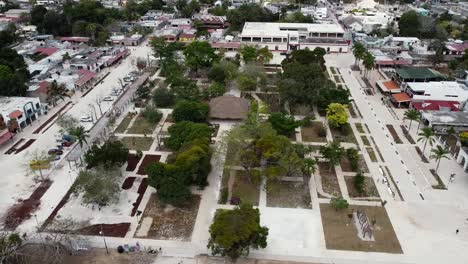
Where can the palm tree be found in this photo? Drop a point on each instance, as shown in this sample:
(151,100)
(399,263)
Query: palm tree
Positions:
(412,115)
(438,154)
(56,92)
(427,135)
(358,51)
(80,134)
(369,62)
(264,55)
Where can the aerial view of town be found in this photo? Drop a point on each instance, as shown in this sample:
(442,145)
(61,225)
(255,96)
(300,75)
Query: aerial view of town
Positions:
(233,131)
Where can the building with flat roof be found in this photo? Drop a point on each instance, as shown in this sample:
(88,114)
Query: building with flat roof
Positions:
(441,121)
(437,91)
(292,36)
(22,110)
(405,75)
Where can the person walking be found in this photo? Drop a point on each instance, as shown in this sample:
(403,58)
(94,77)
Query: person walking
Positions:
(457,231)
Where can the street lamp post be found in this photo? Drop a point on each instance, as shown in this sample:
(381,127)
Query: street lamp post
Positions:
(104,238)
(94,110)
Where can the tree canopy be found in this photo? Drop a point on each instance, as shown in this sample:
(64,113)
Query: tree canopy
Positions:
(184,132)
(199,54)
(249,13)
(100,185)
(235,231)
(337,115)
(14,73)
(284,124)
(111,153)
(408,24)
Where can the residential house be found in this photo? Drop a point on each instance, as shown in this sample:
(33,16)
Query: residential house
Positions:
(21,110)
(210,21)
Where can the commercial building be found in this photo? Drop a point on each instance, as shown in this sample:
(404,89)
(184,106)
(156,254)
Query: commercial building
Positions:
(21,111)
(293,36)
(437,91)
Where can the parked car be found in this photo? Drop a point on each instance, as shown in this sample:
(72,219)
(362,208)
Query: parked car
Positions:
(108,99)
(67,143)
(55,152)
(86,119)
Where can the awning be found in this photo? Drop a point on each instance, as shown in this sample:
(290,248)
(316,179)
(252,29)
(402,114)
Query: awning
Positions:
(401,97)
(15,114)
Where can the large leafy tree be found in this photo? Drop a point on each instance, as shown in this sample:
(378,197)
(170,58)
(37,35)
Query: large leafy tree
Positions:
(284,124)
(163,97)
(111,153)
(251,77)
(13,73)
(332,152)
(184,132)
(185,89)
(199,54)
(223,71)
(249,13)
(249,53)
(409,24)
(337,115)
(234,232)
(191,111)
(100,185)
(439,153)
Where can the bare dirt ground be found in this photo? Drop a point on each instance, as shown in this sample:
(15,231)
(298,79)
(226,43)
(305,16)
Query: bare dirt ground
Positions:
(99,256)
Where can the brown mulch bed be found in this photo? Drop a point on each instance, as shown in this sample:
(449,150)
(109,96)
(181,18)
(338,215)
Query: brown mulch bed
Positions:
(343,134)
(370,190)
(132,162)
(272,100)
(109,230)
(346,165)
(128,183)
(407,135)
(423,158)
(147,160)
(341,234)
(141,191)
(51,118)
(23,209)
(13,148)
(312,132)
(329,179)
(25,146)
(288,194)
(394,134)
(169,222)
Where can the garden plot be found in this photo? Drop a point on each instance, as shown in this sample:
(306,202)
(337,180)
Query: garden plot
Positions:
(341,233)
(346,165)
(343,134)
(125,123)
(147,160)
(242,190)
(288,194)
(272,100)
(132,162)
(329,179)
(316,132)
(166,222)
(370,190)
(142,125)
(137,143)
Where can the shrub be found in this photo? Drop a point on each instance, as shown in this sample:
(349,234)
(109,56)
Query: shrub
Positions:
(322,132)
(191,111)
(359,183)
(353,157)
(339,203)
(151,114)
(163,97)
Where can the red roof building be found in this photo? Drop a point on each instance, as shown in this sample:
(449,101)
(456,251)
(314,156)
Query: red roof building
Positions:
(85,77)
(46,51)
(432,105)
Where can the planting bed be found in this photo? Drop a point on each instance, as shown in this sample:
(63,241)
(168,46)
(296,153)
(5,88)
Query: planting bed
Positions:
(169,222)
(13,148)
(394,134)
(244,190)
(47,122)
(329,180)
(132,162)
(288,194)
(110,230)
(272,100)
(128,183)
(360,128)
(147,160)
(346,165)
(23,209)
(440,184)
(312,133)
(365,140)
(124,124)
(25,146)
(142,126)
(141,191)
(372,155)
(343,134)
(421,155)
(137,143)
(370,190)
(407,135)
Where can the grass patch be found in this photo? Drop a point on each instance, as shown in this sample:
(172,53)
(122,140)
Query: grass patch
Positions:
(371,154)
(365,140)
(343,134)
(341,234)
(142,126)
(346,165)
(440,184)
(245,190)
(370,190)
(360,128)
(169,222)
(316,132)
(124,124)
(329,180)
(137,143)
(394,134)
(287,194)
(224,190)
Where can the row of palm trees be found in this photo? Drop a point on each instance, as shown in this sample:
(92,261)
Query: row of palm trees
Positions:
(427,135)
(362,54)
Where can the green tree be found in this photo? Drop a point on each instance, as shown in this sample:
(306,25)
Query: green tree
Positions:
(353,156)
(184,132)
(223,71)
(249,12)
(408,24)
(339,203)
(151,113)
(14,73)
(249,53)
(185,89)
(100,185)
(337,115)
(359,52)
(264,55)
(56,92)
(284,124)
(80,134)
(191,111)
(427,135)
(439,153)
(332,152)
(251,77)
(234,232)
(214,90)
(111,153)
(163,97)
(360,183)
(412,115)
(199,54)
(297,17)
(368,62)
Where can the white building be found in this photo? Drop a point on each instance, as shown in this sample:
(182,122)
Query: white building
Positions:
(23,110)
(316,12)
(292,36)
(463,7)
(437,91)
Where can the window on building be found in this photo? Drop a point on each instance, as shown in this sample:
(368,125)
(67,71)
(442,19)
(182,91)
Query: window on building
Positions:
(293,38)
(339,35)
(246,39)
(315,34)
(266,40)
(256,39)
(277,40)
(276,48)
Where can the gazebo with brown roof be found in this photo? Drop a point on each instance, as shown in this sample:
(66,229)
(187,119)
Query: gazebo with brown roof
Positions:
(229,107)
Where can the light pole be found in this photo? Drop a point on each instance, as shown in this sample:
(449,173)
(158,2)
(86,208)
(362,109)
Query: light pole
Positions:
(94,110)
(104,238)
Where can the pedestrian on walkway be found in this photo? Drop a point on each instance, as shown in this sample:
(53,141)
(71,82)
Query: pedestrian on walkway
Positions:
(457,231)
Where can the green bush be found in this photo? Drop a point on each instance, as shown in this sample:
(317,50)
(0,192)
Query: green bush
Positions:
(163,97)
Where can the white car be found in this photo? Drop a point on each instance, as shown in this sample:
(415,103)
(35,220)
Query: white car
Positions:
(86,119)
(108,99)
